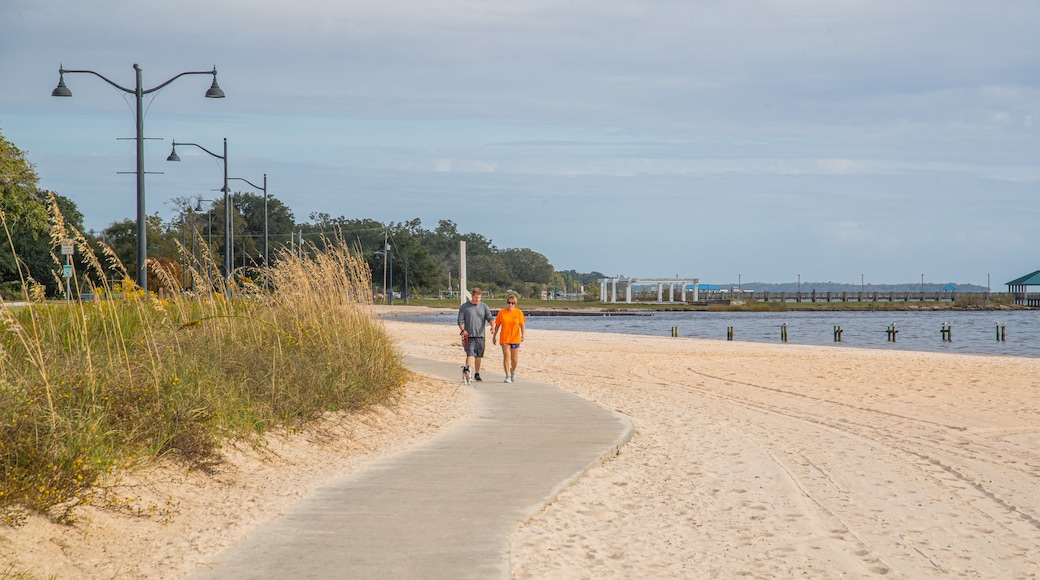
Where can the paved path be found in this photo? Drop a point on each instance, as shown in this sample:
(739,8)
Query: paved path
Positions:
(443,510)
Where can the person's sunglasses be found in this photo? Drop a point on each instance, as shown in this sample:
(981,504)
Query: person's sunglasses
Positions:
(511,303)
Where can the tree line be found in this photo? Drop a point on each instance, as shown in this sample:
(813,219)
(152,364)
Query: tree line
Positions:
(424,261)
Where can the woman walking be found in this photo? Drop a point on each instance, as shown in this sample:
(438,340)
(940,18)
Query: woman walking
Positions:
(509,332)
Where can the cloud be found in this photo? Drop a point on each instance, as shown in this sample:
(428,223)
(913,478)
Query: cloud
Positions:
(763,117)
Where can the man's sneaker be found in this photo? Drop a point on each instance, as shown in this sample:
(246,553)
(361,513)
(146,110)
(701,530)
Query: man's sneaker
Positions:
(476,377)
(509,379)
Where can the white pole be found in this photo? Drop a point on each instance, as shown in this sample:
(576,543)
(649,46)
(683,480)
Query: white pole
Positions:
(463,290)
(386,254)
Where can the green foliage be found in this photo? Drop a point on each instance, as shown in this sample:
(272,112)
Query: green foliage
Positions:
(23,211)
(86,388)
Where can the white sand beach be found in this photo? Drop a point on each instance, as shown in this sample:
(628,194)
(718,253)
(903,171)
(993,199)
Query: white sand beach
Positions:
(747,459)
(779,461)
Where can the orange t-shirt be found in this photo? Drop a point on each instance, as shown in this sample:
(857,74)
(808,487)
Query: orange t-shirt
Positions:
(510,322)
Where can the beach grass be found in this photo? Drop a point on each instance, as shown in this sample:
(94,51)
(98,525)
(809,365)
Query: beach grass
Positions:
(92,388)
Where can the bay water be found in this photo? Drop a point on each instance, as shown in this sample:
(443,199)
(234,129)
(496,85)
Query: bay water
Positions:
(971,332)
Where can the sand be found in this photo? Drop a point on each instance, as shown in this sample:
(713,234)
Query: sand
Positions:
(749,460)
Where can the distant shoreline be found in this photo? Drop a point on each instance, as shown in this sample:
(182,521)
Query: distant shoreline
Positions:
(562,307)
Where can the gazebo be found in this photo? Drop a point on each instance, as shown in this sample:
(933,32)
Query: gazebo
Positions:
(1019,288)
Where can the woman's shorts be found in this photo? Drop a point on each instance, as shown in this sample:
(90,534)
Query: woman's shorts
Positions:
(517,345)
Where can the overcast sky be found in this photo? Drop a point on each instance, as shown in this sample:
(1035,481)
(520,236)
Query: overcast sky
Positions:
(765,140)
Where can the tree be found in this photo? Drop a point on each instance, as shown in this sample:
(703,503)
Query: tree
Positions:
(38,253)
(122,238)
(24,213)
(249,235)
(527,265)
(409,251)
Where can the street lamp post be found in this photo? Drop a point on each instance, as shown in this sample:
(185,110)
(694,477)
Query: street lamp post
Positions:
(263,189)
(228,249)
(214,92)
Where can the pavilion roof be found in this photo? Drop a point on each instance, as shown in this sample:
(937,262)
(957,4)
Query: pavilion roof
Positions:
(1027,280)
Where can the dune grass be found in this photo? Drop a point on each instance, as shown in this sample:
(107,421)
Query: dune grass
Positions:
(91,387)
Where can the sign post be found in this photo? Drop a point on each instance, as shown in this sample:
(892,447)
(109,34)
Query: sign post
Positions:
(67,248)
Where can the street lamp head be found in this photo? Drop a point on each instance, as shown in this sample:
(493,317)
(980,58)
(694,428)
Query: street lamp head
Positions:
(214,91)
(61,90)
(173,154)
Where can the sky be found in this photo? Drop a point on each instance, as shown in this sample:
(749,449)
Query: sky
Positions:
(876,141)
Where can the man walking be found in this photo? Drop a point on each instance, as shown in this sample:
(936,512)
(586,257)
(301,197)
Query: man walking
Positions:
(473,316)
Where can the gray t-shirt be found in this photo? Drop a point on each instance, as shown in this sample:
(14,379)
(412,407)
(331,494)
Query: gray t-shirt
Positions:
(473,316)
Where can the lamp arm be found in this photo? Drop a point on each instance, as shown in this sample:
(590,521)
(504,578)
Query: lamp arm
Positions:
(175,143)
(153,89)
(249,182)
(100,76)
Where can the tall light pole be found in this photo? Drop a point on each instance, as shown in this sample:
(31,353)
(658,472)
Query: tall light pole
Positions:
(263,189)
(228,249)
(214,92)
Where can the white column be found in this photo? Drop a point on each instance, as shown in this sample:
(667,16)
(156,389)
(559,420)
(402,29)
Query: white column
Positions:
(602,289)
(613,290)
(628,291)
(659,286)
(463,290)
(682,292)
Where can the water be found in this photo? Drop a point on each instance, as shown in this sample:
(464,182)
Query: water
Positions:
(973,332)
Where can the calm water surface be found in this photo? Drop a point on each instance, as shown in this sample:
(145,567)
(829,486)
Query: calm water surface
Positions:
(972,332)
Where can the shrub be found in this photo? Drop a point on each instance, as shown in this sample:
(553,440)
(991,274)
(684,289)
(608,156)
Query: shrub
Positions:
(90,387)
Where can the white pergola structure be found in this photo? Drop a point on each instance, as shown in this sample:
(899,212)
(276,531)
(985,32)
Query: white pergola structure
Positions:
(629,283)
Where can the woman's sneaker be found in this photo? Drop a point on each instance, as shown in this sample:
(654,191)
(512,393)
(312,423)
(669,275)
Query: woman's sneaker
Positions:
(509,379)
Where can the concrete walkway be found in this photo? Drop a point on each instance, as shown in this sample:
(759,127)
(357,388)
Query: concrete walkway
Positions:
(445,509)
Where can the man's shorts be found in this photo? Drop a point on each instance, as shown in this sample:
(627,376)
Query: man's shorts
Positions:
(475,346)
